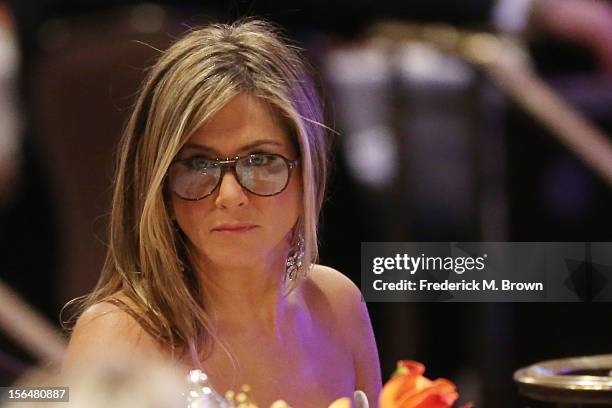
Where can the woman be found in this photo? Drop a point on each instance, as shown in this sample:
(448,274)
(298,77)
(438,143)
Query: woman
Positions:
(218,189)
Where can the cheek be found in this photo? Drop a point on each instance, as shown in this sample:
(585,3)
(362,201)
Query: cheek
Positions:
(190,215)
(289,202)
(285,208)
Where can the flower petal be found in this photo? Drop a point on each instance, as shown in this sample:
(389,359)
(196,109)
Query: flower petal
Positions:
(414,367)
(443,392)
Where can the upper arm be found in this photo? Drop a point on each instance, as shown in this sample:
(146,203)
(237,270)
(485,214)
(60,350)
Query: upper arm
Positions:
(105,332)
(358,331)
(365,352)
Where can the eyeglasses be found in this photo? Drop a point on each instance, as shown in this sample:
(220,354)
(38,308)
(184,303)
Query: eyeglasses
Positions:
(262,174)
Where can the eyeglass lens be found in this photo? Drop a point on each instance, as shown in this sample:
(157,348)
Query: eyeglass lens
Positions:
(261,174)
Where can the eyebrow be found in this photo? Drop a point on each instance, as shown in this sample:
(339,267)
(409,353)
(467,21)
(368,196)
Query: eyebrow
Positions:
(244,148)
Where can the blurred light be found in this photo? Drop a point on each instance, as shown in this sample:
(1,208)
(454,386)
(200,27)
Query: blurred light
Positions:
(358,65)
(483,48)
(10,121)
(421,62)
(372,156)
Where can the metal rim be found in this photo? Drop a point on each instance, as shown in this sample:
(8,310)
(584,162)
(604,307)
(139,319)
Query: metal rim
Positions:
(547,380)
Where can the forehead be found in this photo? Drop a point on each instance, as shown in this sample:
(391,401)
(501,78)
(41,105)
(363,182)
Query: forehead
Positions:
(243,120)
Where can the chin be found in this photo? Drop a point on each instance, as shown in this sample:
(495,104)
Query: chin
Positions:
(238,253)
(234,254)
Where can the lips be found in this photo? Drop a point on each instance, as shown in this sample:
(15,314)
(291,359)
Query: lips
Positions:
(234,227)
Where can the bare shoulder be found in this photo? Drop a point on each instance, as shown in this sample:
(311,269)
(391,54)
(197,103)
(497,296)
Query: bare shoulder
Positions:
(107,317)
(330,291)
(334,286)
(334,301)
(106,331)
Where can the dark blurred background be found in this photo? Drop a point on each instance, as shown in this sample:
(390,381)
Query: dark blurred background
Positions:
(428,150)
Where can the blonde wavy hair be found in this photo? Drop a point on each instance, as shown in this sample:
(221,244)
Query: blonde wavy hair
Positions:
(147,261)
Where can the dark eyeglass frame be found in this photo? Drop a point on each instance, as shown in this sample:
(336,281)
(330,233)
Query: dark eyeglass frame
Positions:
(230,163)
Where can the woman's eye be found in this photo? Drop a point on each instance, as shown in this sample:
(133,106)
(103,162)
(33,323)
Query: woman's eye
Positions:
(199,163)
(259,159)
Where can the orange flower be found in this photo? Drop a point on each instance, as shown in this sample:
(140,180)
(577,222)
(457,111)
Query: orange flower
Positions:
(408,388)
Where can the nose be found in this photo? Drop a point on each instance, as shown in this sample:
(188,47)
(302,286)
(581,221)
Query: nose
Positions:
(231,193)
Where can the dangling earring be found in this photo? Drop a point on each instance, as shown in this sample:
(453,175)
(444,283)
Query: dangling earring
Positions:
(295,259)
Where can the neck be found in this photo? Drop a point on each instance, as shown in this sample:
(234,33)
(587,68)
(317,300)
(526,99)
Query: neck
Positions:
(245,295)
